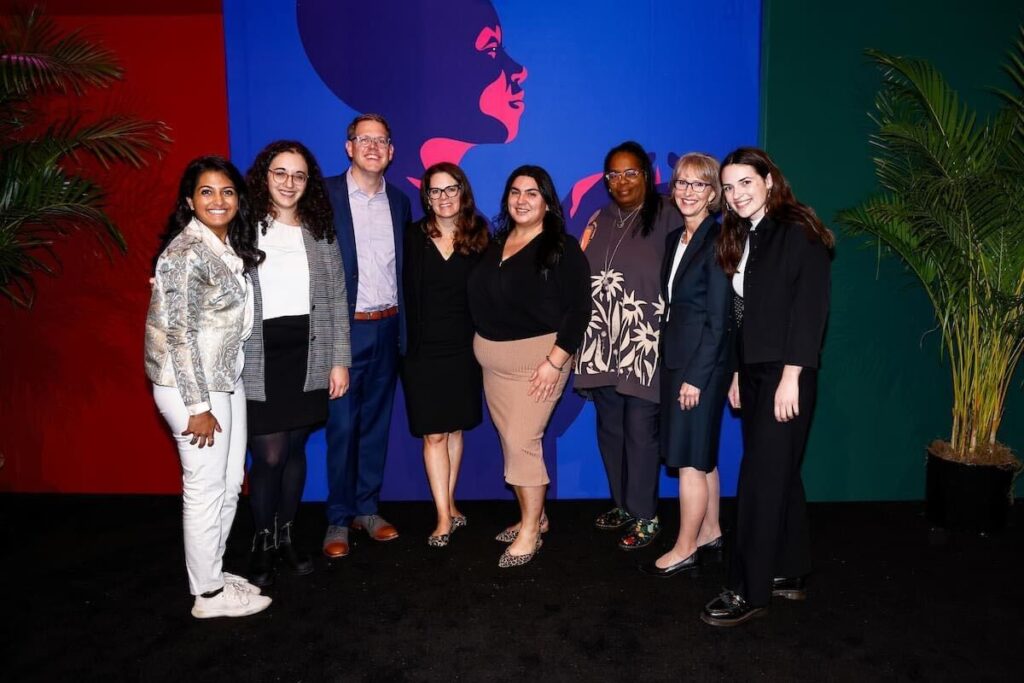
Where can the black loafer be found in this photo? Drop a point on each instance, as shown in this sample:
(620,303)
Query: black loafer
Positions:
(690,564)
(730,609)
(790,589)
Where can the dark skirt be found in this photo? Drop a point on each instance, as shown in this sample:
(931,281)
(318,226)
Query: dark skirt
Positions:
(689,438)
(285,350)
(442,392)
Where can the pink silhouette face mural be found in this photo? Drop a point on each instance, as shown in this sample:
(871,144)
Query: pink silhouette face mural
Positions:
(503,97)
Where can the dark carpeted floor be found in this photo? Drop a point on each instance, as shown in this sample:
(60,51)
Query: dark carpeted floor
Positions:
(95,589)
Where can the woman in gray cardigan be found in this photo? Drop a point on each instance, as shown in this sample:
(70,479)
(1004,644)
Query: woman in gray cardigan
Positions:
(298,355)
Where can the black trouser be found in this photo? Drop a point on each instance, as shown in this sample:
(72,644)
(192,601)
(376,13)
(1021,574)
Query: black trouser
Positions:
(277,476)
(771,512)
(627,434)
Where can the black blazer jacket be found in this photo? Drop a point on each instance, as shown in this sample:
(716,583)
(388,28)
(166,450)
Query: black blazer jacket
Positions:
(694,335)
(786,289)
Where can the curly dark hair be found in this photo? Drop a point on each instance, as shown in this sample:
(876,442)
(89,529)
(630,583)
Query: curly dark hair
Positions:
(782,205)
(314,210)
(471,236)
(552,237)
(652,202)
(241,230)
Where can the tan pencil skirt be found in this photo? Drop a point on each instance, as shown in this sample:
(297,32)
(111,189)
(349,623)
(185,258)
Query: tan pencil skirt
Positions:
(520,420)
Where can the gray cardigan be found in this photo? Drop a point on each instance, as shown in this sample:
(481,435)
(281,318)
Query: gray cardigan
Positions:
(329,341)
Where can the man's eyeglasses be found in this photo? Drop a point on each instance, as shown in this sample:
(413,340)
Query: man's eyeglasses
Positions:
(370,141)
(281,176)
(450,191)
(629,174)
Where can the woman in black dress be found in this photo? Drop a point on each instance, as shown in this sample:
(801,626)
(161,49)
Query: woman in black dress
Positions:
(299,353)
(440,377)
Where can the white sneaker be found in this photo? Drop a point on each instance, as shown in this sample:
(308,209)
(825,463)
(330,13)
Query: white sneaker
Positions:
(241,582)
(230,602)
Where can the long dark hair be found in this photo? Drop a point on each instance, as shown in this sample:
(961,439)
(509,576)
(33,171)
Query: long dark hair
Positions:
(313,210)
(652,202)
(241,230)
(782,205)
(552,237)
(471,234)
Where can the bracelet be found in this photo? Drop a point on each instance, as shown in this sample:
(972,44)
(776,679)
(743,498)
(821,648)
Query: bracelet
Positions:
(556,367)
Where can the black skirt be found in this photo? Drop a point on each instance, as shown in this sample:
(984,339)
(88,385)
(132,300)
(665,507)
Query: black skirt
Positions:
(442,393)
(288,407)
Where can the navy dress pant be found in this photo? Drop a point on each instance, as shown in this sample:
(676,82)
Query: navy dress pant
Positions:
(627,436)
(358,423)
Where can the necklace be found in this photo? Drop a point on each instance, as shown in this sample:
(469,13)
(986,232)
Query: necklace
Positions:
(623,221)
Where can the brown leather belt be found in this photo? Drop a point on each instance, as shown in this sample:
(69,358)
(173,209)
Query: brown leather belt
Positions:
(376,315)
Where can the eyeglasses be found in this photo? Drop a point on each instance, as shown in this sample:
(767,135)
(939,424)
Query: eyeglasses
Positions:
(281,176)
(365,141)
(629,174)
(697,186)
(450,191)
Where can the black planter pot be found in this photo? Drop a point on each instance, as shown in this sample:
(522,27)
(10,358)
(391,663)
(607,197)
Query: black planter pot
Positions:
(966,497)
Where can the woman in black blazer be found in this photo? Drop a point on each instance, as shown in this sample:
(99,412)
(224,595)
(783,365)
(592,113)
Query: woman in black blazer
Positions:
(440,376)
(694,378)
(777,252)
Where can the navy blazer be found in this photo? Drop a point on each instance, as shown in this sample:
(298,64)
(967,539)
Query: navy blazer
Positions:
(694,336)
(401,216)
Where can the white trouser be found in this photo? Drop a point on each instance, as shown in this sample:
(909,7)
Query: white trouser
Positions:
(211,480)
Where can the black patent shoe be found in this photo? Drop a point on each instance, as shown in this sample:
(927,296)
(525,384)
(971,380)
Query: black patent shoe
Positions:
(712,550)
(295,562)
(261,561)
(790,589)
(730,609)
(690,564)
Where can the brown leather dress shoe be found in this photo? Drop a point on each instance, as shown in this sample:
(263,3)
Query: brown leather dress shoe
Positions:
(378,528)
(336,541)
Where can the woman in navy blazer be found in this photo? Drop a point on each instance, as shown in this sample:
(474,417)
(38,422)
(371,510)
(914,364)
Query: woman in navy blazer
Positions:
(694,378)
(777,252)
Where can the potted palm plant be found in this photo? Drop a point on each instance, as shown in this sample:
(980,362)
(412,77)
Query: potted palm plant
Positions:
(950,210)
(46,187)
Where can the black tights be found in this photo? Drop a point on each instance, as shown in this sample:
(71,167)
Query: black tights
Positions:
(277,476)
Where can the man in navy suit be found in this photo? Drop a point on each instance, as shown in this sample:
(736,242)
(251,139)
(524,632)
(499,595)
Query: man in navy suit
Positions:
(370,217)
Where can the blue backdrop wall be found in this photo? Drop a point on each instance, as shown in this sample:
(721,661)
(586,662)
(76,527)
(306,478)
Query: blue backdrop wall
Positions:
(492,86)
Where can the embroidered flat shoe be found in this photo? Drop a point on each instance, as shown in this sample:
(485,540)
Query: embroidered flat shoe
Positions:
(616,518)
(730,609)
(641,534)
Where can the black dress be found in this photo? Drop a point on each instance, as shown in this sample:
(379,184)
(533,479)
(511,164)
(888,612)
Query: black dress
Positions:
(440,376)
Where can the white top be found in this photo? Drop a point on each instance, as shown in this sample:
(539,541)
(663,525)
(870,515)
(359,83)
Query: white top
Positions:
(737,279)
(676,259)
(284,275)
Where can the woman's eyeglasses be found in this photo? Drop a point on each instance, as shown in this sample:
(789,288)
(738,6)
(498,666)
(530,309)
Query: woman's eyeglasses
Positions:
(450,191)
(697,186)
(281,176)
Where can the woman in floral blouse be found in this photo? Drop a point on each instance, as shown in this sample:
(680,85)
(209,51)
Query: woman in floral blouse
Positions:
(617,364)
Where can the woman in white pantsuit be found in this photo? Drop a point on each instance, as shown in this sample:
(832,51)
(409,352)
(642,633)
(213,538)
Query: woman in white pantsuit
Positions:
(199,315)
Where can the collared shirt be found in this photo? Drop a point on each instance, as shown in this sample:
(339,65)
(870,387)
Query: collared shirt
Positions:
(737,278)
(375,247)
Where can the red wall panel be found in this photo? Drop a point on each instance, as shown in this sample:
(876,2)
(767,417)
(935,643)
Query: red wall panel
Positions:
(76,414)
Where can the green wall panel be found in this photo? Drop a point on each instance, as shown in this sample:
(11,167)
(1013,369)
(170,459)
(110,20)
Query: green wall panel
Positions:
(884,389)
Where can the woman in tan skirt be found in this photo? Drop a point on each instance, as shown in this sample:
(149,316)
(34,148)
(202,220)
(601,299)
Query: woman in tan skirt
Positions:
(530,302)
